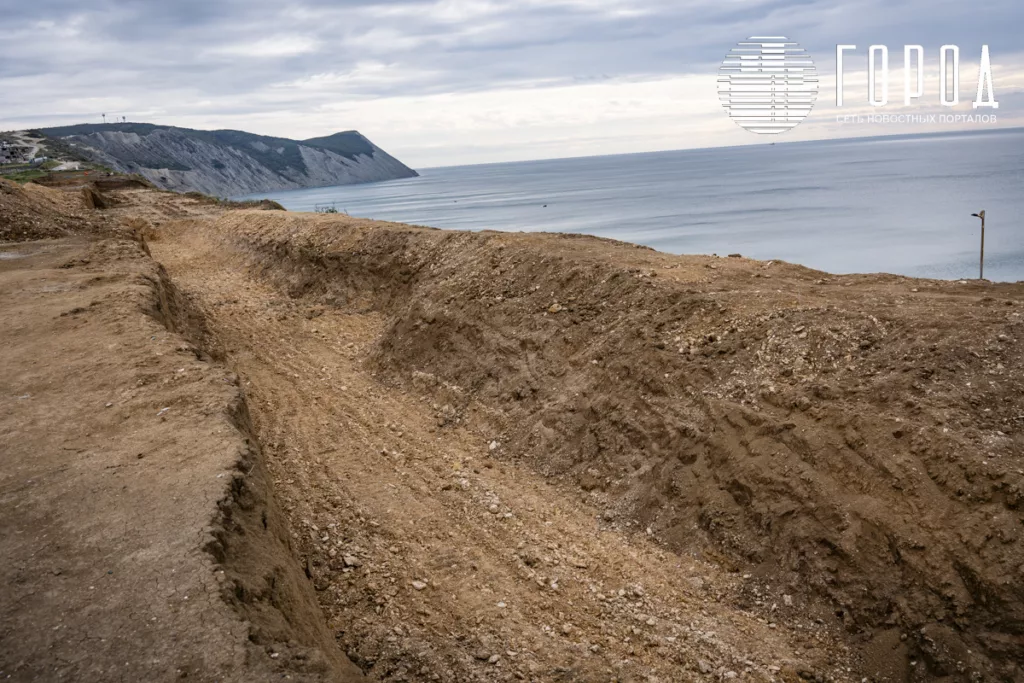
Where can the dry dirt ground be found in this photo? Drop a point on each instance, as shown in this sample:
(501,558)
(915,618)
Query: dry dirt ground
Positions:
(118,444)
(489,457)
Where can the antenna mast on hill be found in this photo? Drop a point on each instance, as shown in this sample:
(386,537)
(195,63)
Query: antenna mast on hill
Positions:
(104,117)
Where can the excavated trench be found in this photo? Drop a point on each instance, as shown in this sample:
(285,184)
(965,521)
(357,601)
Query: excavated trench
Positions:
(435,553)
(263,579)
(850,441)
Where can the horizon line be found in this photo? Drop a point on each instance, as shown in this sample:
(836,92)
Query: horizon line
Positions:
(767,143)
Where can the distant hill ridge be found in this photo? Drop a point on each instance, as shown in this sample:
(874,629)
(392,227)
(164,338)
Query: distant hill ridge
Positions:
(231,162)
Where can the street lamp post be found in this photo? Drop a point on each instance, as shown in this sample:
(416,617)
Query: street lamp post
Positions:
(981,267)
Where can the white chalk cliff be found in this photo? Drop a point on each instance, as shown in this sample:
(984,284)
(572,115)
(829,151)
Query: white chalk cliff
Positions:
(232,163)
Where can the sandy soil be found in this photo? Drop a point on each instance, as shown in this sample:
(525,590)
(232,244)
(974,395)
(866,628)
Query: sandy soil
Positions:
(542,457)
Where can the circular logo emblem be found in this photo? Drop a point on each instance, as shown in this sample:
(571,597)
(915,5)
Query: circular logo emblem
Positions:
(768,84)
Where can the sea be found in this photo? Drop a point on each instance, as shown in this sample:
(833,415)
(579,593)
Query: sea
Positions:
(898,204)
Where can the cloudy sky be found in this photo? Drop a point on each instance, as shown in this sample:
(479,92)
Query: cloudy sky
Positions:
(442,82)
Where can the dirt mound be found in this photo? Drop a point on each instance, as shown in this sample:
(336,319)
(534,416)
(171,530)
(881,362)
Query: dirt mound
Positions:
(122,183)
(853,440)
(30,212)
(269,205)
(260,204)
(103,182)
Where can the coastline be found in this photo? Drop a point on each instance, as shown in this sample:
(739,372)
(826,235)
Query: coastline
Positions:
(842,207)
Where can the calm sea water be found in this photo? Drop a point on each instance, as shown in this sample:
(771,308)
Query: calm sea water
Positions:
(900,205)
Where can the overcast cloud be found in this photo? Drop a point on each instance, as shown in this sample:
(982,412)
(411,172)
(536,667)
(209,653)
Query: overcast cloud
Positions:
(467,81)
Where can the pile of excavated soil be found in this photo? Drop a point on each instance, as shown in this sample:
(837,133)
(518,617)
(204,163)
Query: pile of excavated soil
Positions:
(853,441)
(31,211)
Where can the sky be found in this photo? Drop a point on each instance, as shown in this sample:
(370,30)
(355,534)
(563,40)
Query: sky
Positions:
(449,82)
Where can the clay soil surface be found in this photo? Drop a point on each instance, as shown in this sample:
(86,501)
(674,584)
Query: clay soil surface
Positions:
(490,457)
